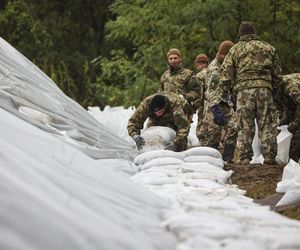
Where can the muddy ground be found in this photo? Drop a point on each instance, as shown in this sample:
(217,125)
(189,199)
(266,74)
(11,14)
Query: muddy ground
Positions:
(260,183)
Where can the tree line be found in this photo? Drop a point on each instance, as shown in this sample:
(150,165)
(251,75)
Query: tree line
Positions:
(113,52)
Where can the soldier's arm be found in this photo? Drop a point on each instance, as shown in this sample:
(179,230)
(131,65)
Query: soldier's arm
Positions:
(195,92)
(227,75)
(276,73)
(162,85)
(182,123)
(136,121)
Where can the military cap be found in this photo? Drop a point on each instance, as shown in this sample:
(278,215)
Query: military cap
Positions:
(224,47)
(246,28)
(174,51)
(201,58)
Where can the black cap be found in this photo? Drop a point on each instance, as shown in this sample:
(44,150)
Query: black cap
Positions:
(157,102)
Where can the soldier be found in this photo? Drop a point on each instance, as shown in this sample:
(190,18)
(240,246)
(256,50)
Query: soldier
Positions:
(252,71)
(218,114)
(180,80)
(291,116)
(163,109)
(201,63)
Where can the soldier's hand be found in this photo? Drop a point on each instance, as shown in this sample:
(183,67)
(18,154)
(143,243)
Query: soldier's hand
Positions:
(219,117)
(170,146)
(139,141)
(293,127)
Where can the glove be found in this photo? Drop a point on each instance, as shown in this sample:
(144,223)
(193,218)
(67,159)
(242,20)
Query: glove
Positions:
(170,146)
(219,117)
(139,141)
(293,127)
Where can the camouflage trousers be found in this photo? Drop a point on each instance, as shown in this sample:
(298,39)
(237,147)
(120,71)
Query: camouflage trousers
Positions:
(211,134)
(256,103)
(201,136)
(295,146)
(181,145)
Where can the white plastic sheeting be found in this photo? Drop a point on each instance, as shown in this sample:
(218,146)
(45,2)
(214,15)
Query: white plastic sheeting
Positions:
(25,88)
(52,196)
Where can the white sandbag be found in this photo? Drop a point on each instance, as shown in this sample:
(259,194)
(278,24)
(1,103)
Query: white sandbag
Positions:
(283,141)
(160,162)
(256,144)
(189,167)
(192,138)
(292,196)
(203,158)
(154,154)
(156,179)
(208,151)
(258,160)
(290,177)
(156,137)
(220,177)
(203,183)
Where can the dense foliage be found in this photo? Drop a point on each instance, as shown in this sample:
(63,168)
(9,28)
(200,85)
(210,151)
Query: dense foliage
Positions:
(114,52)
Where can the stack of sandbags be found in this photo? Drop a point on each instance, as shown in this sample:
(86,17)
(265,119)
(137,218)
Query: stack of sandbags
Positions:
(159,167)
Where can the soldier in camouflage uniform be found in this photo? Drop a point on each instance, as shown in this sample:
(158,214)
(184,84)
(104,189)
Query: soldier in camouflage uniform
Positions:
(163,109)
(180,80)
(252,71)
(201,63)
(291,115)
(213,123)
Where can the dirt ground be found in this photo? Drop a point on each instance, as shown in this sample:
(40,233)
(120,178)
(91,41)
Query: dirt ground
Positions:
(260,183)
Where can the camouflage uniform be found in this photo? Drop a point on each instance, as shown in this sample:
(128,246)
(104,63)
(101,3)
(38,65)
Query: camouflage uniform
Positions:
(174,117)
(210,130)
(183,82)
(201,103)
(291,102)
(251,70)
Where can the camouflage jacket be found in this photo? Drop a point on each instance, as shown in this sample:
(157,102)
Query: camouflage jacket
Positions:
(174,116)
(212,81)
(251,63)
(200,76)
(182,82)
(291,97)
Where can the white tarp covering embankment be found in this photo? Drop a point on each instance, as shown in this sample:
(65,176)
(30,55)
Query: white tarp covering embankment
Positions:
(55,197)
(29,94)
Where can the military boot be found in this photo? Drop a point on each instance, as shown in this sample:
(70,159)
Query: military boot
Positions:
(269,161)
(228,152)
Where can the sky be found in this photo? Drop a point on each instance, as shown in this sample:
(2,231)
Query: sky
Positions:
(72,179)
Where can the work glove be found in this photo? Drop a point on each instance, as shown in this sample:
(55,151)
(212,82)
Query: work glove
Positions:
(219,117)
(170,146)
(293,127)
(139,141)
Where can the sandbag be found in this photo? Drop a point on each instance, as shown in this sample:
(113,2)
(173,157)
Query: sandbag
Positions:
(283,141)
(203,158)
(150,155)
(160,162)
(290,177)
(205,151)
(156,137)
